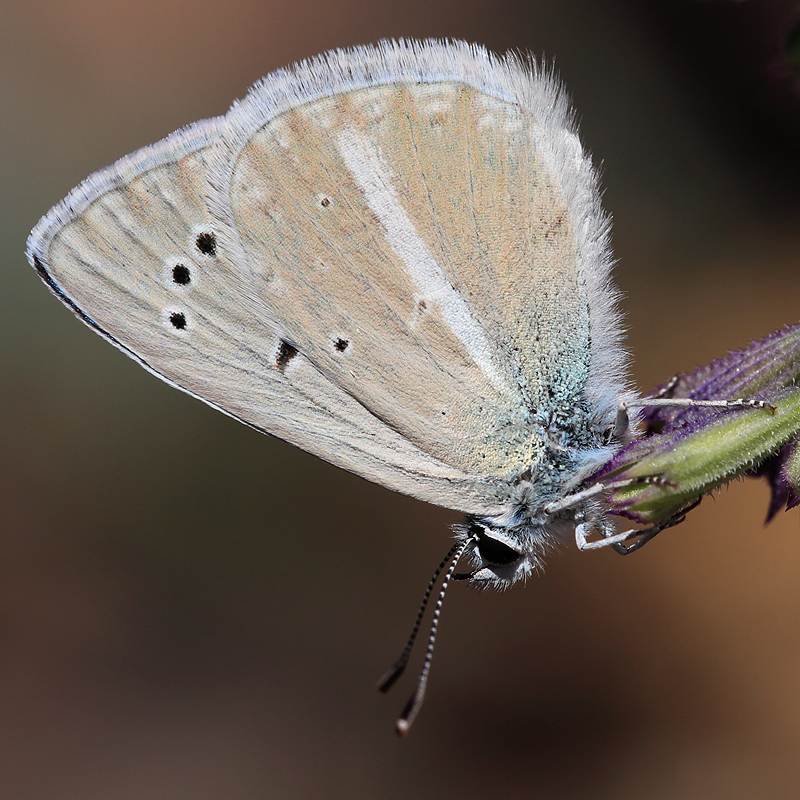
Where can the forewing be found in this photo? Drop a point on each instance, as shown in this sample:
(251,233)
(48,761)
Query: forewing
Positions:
(134,253)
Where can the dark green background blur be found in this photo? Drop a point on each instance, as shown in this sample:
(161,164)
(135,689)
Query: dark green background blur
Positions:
(189,609)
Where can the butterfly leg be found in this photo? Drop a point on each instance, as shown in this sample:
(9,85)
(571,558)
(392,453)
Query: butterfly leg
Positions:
(622,421)
(646,534)
(572,500)
(583,529)
(617,540)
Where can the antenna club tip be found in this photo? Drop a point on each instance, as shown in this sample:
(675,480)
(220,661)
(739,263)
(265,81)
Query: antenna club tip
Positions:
(402,727)
(390,678)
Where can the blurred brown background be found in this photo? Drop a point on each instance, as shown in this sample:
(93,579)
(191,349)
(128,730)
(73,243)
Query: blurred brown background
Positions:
(191,610)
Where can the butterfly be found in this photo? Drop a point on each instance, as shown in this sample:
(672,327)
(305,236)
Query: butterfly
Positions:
(394,257)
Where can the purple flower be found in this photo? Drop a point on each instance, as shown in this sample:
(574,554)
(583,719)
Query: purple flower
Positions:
(683,454)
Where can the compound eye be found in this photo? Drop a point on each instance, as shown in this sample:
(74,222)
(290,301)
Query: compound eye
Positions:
(492,551)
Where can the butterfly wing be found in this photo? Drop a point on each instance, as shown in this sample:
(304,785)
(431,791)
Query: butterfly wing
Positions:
(423,225)
(133,252)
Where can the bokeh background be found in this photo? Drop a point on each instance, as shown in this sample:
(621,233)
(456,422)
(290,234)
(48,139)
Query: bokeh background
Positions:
(189,609)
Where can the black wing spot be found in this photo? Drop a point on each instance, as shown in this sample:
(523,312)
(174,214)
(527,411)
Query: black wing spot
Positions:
(285,354)
(181,275)
(207,244)
(341,345)
(178,320)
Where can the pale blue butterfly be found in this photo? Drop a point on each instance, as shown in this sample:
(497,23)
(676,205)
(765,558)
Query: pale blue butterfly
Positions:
(394,257)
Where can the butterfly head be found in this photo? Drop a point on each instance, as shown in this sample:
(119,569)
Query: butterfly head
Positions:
(509,548)
(501,554)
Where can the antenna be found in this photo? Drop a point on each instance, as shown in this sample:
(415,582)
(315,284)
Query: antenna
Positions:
(398,668)
(388,680)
